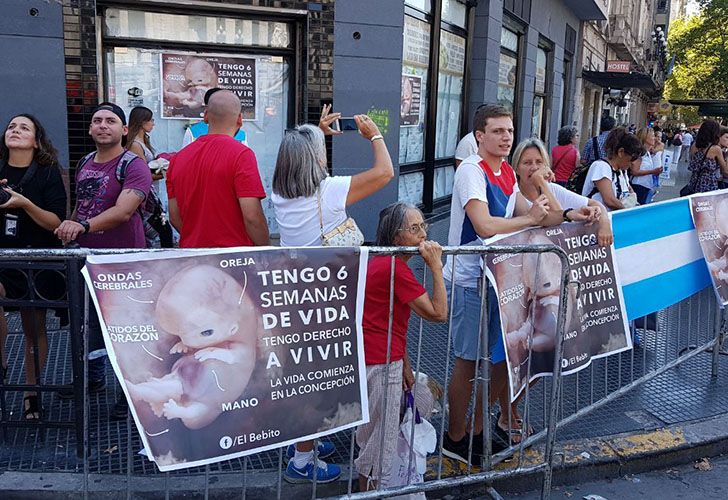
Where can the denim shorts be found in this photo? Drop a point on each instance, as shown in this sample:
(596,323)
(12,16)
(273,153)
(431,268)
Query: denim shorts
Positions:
(466,323)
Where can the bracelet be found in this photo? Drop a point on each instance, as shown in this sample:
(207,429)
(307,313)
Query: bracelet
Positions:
(377,137)
(565,216)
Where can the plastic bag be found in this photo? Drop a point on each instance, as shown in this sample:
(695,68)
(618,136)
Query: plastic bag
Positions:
(424,442)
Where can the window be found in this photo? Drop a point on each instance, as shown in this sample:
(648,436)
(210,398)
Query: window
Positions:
(565,92)
(539,116)
(508,70)
(449,93)
(431,107)
(415,63)
(136,75)
(196,29)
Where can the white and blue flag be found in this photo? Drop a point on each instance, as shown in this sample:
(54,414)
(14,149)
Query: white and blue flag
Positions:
(659,258)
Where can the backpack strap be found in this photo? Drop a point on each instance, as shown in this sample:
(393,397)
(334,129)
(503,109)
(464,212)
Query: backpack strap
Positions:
(124,162)
(595,147)
(83,161)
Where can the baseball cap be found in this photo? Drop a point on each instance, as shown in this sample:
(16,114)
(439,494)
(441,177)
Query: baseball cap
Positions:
(208,94)
(110,106)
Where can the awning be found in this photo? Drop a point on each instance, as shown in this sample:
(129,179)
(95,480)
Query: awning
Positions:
(611,80)
(706,107)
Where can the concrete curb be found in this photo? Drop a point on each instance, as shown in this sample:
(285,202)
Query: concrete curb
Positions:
(583,460)
(629,453)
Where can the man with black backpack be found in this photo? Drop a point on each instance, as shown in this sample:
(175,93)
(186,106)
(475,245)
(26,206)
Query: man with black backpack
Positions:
(111,184)
(593,151)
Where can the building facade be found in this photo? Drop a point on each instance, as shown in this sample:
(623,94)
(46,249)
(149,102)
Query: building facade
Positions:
(623,63)
(419,68)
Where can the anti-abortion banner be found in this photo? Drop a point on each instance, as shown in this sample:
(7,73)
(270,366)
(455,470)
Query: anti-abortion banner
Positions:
(225,353)
(710,216)
(528,288)
(187,77)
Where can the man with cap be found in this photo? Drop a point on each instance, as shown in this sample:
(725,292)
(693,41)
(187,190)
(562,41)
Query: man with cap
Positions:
(111,183)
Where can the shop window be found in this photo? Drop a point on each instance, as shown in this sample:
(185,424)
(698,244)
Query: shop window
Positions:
(449,93)
(423,5)
(413,107)
(454,12)
(433,86)
(196,29)
(411,187)
(444,177)
(159,78)
(508,70)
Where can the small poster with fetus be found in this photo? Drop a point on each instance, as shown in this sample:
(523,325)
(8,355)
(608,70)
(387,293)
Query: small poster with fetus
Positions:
(225,353)
(528,287)
(710,216)
(187,77)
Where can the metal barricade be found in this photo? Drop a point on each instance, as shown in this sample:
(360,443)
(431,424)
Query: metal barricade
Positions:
(429,345)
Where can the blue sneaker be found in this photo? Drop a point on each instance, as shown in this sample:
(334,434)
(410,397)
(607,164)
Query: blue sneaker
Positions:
(325,449)
(325,473)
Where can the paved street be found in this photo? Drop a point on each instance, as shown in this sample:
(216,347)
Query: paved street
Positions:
(701,480)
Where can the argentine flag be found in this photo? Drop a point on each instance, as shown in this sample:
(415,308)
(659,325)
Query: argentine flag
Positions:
(659,258)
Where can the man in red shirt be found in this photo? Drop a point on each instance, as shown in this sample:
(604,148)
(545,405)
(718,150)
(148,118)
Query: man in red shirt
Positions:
(214,185)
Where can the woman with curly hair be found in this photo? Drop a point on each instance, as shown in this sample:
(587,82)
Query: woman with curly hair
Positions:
(33,204)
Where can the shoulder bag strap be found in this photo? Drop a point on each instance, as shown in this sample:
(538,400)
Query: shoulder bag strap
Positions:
(595,146)
(321,217)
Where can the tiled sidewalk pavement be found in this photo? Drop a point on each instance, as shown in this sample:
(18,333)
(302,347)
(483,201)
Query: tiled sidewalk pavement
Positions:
(682,394)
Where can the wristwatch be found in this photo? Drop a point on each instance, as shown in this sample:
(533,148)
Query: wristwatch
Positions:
(566,216)
(86,226)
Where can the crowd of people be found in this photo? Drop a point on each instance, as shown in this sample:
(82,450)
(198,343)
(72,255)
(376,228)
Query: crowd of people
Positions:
(209,196)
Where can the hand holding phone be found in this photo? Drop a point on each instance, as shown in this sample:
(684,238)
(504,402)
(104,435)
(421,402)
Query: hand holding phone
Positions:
(346,124)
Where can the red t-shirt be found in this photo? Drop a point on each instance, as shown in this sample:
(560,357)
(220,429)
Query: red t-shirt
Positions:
(206,179)
(375,321)
(506,178)
(563,161)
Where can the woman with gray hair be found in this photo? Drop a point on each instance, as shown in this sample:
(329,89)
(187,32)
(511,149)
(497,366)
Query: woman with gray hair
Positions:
(565,156)
(310,203)
(400,224)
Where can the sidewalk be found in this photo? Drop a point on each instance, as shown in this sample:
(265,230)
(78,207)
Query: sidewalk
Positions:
(678,397)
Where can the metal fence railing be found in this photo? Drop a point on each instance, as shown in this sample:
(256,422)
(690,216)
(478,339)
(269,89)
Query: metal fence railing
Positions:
(660,346)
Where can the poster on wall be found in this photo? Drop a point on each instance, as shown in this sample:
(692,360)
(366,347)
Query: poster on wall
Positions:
(528,288)
(710,216)
(187,77)
(409,109)
(226,353)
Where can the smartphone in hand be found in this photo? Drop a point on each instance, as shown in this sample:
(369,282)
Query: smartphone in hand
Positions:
(345,125)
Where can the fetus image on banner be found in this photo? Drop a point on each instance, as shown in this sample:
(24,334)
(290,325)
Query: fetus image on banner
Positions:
(529,306)
(218,331)
(710,215)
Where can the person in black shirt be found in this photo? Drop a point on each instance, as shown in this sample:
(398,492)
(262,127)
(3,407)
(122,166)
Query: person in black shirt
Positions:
(34,204)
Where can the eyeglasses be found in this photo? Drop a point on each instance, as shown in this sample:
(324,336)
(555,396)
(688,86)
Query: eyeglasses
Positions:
(415,228)
(635,156)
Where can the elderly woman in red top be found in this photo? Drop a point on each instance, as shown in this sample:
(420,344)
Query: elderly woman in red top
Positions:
(400,224)
(565,156)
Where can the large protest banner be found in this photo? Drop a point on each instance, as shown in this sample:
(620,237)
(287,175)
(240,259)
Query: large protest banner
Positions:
(187,77)
(229,352)
(528,288)
(710,216)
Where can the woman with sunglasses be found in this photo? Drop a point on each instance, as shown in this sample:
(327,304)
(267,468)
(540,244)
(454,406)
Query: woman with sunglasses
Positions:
(309,203)
(400,224)
(607,181)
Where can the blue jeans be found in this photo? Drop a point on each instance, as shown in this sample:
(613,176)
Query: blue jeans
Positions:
(466,323)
